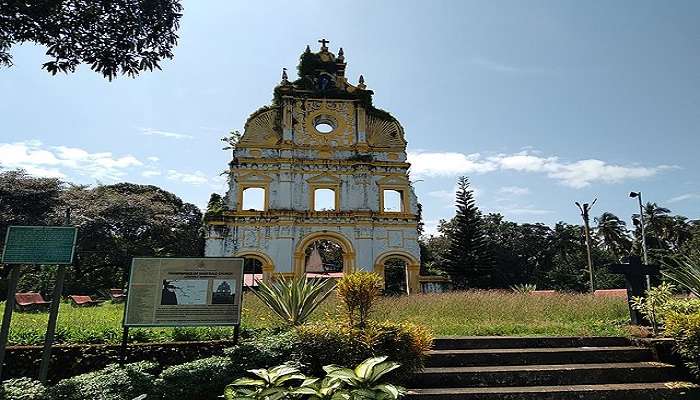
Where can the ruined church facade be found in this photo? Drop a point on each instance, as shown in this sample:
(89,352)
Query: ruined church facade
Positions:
(321,133)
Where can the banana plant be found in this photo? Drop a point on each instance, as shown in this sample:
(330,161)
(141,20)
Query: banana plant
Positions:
(364,382)
(269,384)
(293,300)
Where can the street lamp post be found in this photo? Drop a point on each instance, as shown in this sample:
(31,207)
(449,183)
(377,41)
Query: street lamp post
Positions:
(638,195)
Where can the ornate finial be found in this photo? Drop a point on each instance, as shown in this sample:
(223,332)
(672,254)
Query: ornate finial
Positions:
(362,82)
(324,42)
(341,55)
(308,49)
(284,76)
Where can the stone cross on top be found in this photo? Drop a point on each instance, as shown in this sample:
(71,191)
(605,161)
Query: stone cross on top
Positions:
(324,42)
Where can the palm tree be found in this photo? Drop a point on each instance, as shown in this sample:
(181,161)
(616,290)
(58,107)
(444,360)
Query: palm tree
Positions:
(612,232)
(656,220)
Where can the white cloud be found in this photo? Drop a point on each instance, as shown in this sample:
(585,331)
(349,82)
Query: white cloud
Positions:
(576,174)
(197,178)
(447,164)
(683,197)
(150,173)
(153,159)
(172,135)
(514,190)
(56,161)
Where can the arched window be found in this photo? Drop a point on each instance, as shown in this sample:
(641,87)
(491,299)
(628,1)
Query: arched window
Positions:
(324,200)
(392,200)
(253,199)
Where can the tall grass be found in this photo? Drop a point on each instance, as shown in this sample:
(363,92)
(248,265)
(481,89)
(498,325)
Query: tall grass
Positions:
(457,313)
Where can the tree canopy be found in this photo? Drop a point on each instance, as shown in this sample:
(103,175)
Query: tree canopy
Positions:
(112,36)
(115,223)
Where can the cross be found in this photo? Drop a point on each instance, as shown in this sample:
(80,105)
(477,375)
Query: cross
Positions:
(635,281)
(323,42)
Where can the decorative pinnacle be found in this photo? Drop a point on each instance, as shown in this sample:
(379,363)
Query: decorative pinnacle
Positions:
(341,55)
(308,49)
(284,75)
(362,82)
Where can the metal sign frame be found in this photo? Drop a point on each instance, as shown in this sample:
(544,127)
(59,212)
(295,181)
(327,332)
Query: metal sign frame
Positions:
(37,261)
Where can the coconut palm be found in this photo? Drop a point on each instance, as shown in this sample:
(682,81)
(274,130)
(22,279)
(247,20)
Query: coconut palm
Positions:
(612,233)
(656,220)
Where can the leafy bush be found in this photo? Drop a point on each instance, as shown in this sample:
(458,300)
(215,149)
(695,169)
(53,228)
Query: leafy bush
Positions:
(331,343)
(200,379)
(293,300)
(287,382)
(22,389)
(358,292)
(263,351)
(364,382)
(275,383)
(653,304)
(685,328)
(111,383)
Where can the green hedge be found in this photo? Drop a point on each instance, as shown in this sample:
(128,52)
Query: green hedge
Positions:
(111,383)
(22,389)
(685,328)
(203,379)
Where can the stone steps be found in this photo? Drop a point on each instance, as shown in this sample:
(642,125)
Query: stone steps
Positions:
(629,391)
(546,375)
(537,356)
(558,368)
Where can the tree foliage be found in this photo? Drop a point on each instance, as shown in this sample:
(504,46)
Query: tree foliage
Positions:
(112,36)
(115,223)
(467,259)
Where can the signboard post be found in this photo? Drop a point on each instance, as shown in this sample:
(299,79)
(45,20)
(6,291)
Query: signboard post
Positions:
(172,292)
(36,245)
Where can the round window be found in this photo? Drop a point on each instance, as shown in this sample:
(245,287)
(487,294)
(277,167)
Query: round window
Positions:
(324,124)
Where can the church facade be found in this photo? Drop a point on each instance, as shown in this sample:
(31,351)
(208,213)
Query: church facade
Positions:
(320,136)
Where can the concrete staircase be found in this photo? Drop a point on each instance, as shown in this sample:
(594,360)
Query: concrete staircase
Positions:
(547,368)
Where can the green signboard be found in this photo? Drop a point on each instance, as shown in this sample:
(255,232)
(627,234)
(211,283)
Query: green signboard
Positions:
(39,245)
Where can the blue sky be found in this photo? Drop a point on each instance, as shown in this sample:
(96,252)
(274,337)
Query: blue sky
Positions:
(540,103)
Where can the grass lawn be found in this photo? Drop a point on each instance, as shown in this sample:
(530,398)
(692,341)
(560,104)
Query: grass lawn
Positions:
(458,313)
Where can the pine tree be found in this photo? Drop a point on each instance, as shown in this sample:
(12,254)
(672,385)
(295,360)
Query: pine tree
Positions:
(468,261)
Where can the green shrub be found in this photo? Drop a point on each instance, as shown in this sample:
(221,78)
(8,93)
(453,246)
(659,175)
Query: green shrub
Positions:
(685,328)
(111,383)
(22,389)
(332,343)
(653,304)
(358,292)
(201,379)
(325,343)
(265,350)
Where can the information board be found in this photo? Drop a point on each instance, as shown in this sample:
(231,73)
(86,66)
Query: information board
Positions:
(184,292)
(39,245)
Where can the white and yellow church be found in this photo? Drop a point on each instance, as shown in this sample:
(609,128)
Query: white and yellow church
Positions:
(320,138)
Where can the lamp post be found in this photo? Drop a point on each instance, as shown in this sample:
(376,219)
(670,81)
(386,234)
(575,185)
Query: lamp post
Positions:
(638,195)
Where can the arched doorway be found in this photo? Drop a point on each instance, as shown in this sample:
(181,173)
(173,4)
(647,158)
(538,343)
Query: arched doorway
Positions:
(395,276)
(336,252)
(400,271)
(257,266)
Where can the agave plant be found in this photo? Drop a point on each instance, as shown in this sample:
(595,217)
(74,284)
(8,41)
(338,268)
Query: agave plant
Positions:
(524,288)
(685,270)
(364,382)
(294,300)
(269,384)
